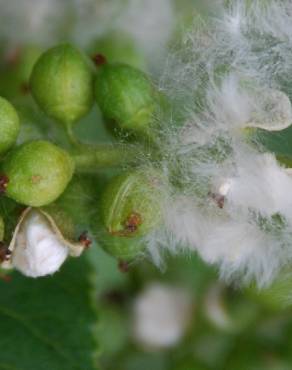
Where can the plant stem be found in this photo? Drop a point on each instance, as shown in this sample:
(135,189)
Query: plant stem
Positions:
(91,158)
(71,136)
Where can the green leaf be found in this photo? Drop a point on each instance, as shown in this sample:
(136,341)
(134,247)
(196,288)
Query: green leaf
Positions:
(49,323)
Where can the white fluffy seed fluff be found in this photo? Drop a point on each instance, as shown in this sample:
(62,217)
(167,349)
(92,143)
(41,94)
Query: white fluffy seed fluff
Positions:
(161,315)
(38,251)
(231,200)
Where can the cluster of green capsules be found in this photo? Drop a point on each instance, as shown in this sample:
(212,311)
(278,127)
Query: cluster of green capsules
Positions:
(39,175)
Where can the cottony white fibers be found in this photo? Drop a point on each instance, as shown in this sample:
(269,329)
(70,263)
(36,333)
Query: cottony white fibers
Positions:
(183,218)
(161,316)
(38,251)
(231,199)
(242,251)
(260,184)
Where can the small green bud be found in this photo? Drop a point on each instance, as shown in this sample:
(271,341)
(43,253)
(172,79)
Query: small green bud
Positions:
(9,125)
(37,173)
(118,47)
(61,83)
(125,96)
(131,204)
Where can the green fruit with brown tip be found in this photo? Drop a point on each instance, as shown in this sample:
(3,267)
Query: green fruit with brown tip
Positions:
(62,83)
(131,204)
(37,173)
(126,97)
(9,125)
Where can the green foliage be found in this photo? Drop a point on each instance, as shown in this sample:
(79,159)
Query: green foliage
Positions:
(49,323)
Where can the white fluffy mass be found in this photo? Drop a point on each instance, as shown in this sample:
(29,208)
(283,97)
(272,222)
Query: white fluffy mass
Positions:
(38,251)
(161,315)
(231,200)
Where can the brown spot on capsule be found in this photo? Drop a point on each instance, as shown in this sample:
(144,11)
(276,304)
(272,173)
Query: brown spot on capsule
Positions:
(4,180)
(36,179)
(123,266)
(84,239)
(133,222)
(130,225)
(4,252)
(99,59)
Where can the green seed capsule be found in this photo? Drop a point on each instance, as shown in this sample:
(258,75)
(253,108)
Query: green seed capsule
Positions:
(37,173)
(9,125)
(125,96)
(61,83)
(131,204)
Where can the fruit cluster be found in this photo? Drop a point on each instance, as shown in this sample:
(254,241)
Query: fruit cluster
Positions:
(38,177)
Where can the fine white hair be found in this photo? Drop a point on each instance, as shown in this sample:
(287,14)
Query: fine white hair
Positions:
(231,201)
